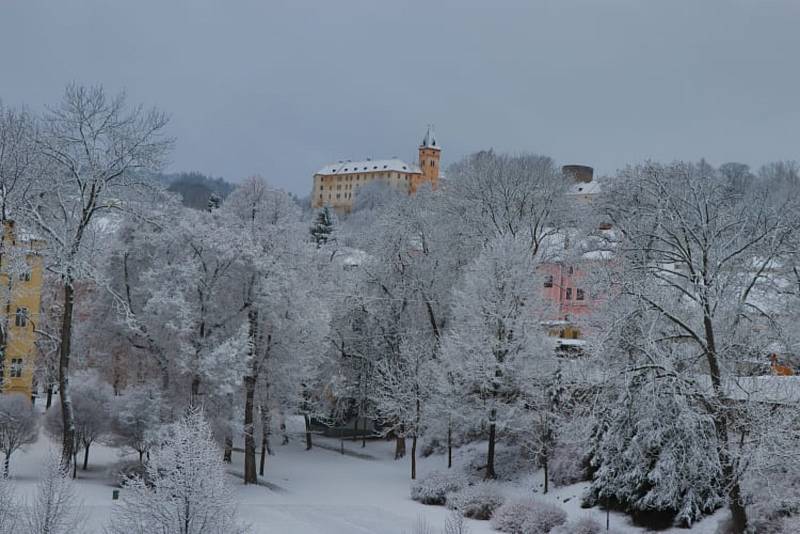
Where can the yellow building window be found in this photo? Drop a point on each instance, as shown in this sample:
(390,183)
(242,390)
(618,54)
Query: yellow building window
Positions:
(16,368)
(21,318)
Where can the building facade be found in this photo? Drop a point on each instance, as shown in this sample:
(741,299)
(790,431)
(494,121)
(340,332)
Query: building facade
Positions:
(337,184)
(21,278)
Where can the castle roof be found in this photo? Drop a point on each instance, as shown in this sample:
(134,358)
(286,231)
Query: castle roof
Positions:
(368,165)
(429,141)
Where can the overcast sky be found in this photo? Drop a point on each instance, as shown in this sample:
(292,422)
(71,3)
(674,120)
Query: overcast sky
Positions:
(279,88)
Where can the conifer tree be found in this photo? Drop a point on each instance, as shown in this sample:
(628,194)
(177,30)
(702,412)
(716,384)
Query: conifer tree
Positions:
(322,229)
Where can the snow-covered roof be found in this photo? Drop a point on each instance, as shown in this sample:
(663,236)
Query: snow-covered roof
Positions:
(368,165)
(429,141)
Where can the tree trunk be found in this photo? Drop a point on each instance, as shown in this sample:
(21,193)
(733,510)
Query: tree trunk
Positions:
(195,389)
(738,511)
(546,476)
(490,474)
(49,397)
(265,432)
(75,464)
(141,457)
(399,447)
(414,457)
(263,458)
(227,455)
(284,435)
(355,429)
(67,415)
(364,433)
(250,476)
(718,409)
(6,465)
(86,457)
(449,444)
(308,432)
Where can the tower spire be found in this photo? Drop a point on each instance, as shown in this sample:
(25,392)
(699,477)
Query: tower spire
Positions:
(429,141)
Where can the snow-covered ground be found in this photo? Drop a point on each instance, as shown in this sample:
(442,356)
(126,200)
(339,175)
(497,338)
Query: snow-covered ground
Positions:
(316,492)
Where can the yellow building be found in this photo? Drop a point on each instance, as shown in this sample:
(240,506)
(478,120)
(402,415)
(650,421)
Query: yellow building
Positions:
(337,184)
(21,293)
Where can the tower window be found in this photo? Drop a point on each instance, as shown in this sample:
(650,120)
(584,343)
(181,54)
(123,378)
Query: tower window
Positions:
(21,318)
(25,276)
(548,280)
(579,294)
(568,295)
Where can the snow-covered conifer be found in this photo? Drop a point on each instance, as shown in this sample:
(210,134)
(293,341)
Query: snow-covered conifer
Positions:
(187,490)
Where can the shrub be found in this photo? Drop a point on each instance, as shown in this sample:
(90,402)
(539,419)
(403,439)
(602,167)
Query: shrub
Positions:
(478,501)
(584,525)
(526,516)
(509,463)
(433,489)
(568,466)
(775,498)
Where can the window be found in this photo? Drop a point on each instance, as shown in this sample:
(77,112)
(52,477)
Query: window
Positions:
(16,368)
(320,195)
(21,317)
(579,295)
(432,163)
(569,293)
(548,280)
(571,270)
(322,188)
(25,276)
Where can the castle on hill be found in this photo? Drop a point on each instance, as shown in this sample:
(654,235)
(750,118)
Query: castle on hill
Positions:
(337,184)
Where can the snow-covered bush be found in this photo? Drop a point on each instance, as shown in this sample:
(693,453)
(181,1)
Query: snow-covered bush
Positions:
(584,525)
(527,516)
(433,488)
(509,464)
(478,501)
(568,466)
(775,497)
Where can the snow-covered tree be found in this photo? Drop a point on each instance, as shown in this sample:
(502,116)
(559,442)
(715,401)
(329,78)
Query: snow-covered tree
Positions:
(495,344)
(92,401)
(693,300)
(285,317)
(101,152)
(187,490)
(55,507)
(404,385)
(19,426)
(322,230)
(497,194)
(137,418)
